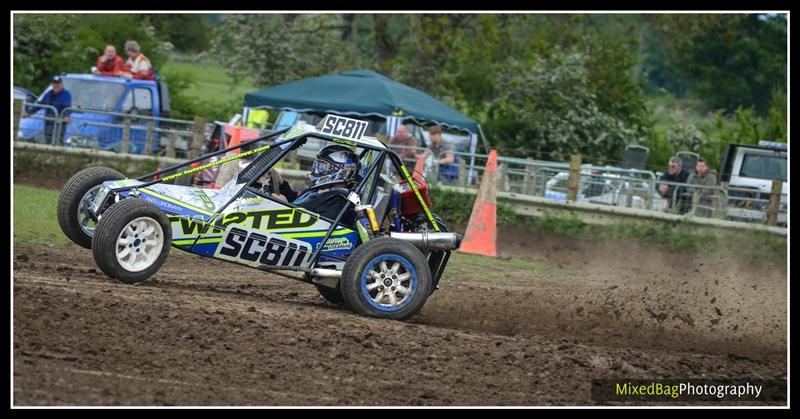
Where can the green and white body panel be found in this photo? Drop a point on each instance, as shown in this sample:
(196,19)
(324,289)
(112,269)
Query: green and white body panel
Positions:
(252,230)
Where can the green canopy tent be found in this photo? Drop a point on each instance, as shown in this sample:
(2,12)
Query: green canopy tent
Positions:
(364,93)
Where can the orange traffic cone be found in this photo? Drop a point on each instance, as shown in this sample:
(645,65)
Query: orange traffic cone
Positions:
(481,235)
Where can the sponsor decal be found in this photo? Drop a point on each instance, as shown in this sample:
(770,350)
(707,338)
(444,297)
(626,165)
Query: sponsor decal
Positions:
(345,142)
(286,218)
(339,243)
(257,248)
(207,202)
(167,206)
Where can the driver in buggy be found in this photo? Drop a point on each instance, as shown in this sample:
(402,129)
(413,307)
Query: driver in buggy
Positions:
(335,172)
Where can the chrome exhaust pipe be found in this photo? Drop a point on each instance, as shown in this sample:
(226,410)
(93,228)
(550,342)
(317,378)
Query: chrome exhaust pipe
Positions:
(430,241)
(326,273)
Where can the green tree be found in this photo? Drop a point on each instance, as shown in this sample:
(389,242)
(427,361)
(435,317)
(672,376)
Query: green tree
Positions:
(728,60)
(551,110)
(38,54)
(275,48)
(188,32)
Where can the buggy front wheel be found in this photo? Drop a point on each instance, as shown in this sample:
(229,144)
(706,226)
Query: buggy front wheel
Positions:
(132,240)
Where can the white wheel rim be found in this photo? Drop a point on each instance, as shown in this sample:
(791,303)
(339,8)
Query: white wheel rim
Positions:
(139,244)
(392,287)
(85,221)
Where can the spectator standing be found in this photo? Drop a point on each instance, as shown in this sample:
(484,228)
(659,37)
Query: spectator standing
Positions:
(675,174)
(407,143)
(703,177)
(59,98)
(109,64)
(138,66)
(443,153)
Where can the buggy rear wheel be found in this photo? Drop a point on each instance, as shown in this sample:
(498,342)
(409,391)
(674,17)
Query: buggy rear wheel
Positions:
(132,240)
(386,278)
(73,203)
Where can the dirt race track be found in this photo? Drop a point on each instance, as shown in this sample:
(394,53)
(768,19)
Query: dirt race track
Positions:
(203,332)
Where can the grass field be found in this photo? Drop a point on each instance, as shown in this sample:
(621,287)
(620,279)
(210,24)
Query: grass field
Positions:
(506,270)
(213,83)
(35,216)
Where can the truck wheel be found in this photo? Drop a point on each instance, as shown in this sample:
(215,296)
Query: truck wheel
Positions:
(132,240)
(78,192)
(386,278)
(332,295)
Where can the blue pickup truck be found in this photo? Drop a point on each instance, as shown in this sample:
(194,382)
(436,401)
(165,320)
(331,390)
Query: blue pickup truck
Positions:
(92,122)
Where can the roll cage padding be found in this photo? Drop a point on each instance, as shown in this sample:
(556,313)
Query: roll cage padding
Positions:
(258,165)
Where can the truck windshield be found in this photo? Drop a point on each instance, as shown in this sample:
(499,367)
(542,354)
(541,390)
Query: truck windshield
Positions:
(760,166)
(93,94)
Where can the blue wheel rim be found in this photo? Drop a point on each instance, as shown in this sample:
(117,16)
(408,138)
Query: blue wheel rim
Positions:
(376,285)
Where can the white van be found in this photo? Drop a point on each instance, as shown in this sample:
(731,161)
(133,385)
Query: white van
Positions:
(749,170)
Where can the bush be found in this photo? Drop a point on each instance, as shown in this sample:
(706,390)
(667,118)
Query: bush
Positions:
(456,208)
(184,107)
(565,226)
(553,105)
(686,137)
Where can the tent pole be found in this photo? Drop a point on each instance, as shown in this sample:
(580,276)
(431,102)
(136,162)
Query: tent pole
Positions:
(485,141)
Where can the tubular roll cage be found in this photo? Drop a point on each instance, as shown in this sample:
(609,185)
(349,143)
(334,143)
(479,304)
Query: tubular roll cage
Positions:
(438,259)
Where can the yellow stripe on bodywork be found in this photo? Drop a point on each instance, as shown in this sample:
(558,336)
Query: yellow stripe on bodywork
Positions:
(317,234)
(201,241)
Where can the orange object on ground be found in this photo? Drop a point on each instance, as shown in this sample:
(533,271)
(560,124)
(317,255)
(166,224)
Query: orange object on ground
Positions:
(239,135)
(481,235)
(236,139)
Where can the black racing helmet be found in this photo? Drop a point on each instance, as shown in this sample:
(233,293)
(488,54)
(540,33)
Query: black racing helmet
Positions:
(334,164)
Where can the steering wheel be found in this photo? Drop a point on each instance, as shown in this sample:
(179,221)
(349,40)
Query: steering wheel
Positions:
(134,112)
(272,182)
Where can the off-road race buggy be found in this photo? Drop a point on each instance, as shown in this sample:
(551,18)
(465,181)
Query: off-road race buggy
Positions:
(386,267)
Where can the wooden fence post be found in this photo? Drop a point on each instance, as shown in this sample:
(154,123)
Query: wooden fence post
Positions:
(126,135)
(198,137)
(462,172)
(171,146)
(17,116)
(774,202)
(502,177)
(148,142)
(574,177)
(527,181)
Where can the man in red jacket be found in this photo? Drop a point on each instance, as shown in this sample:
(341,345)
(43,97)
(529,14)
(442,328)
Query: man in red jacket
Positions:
(109,64)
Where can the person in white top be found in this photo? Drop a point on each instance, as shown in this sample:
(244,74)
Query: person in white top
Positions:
(138,66)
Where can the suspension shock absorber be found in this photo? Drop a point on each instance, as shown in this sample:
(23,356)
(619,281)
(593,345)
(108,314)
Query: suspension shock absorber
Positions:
(395,212)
